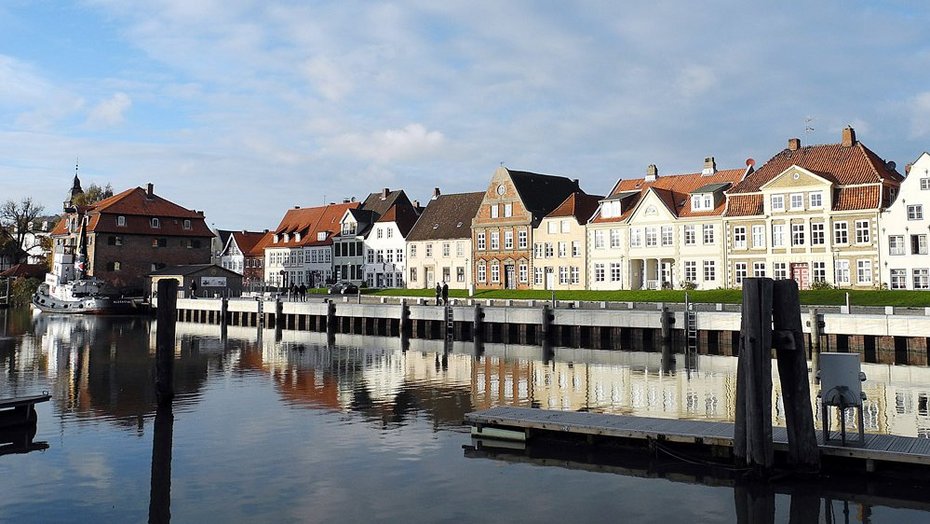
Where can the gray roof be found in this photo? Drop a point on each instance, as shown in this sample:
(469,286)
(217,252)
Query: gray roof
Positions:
(542,193)
(447,217)
(711,188)
(190,269)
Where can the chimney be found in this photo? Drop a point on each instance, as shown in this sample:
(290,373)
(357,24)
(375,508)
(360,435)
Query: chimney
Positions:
(297,207)
(849,136)
(575,181)
(150,190)
(710,166)
(652,173)
(352,199)
(435,193)
(244,232)
(265,231)
(384,193)
(416,204)
(907,169)
(794,144)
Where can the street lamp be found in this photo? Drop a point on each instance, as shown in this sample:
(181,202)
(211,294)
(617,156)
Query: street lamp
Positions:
(283,279)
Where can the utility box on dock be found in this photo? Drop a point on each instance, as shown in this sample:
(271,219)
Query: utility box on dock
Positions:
(841,386)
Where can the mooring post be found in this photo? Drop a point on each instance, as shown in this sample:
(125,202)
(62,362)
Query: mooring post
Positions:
(545,326)
(166,316)
(815,339)
(668,361)
(224,317)
(404,320)
(330,322)
(160,490)
(278,319)
(788,340)
(752,434)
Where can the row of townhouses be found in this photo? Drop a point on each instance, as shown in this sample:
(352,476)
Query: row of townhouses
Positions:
(836,214)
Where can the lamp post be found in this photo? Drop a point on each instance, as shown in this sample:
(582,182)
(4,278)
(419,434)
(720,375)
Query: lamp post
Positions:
(283,280)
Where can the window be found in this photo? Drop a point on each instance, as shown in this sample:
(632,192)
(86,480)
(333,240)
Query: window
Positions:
(113,266)
(370,256)
(922,278)
(820,271)
(708,234)
(495,240)
(563,249)
(667,237)
(563,274)
(780,270)
(538,250)
(460,274)
(739,237)
(740,270)
(797,201)
(389,256)
(842,272)
(481,241)
(598,272)
(379,232)
(898,279)
(758,269)
(778,202)
(615,272)
(155,222)
(816,200)
(614,238)
(537,275)
(817,234)
(429,250)
(651,236)
(495,271)
(576,275)
(702,202)
(864,271)
(115,240)
(915,212)
(636,237)
(321,236)
(690,271)
(521,239)
(840,233)
(758,236)
(778,235)
(566,226)
(494,211)
(121,221)
(348,228)
(924,184)
(552,227)
(599,239)
(389,233)
(413,251)
(482,271)
(508,239)
(446,249)
(710,270)
(508,210)
(549,253)
(797,234)
(159,242)
(524,272)
(896,245)
(690,236)
(918,244)
(863,230)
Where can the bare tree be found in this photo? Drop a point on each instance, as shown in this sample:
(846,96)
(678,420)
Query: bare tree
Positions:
(16,218)
(92,195)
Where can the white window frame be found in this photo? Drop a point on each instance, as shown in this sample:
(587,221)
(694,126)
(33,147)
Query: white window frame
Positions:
(777,202)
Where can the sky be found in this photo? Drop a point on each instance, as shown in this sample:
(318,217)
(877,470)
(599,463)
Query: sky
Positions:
(245,108)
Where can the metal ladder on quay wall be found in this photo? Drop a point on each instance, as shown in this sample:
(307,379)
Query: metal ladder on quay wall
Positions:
(450,324)
(691,335)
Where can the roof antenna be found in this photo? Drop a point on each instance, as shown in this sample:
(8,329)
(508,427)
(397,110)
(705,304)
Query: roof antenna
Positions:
(808,128)
(502,163)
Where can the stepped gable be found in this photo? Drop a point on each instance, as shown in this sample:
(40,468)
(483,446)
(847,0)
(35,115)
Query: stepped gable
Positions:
(405,216)
(308,222)
(674,190)
(541,194)
(579,205)
(447,217)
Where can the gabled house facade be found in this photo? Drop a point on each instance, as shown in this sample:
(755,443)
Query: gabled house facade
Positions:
(238,244)
(299,252)
(386,247)
(661,231)
(905,227)
(349,250)
(132,234)
(559,244)
(811,214)
(439,247)
(514,204)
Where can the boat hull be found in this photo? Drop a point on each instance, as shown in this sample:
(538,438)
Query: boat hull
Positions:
(93,305)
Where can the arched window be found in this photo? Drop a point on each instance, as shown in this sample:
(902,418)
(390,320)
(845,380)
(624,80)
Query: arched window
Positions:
(155,222)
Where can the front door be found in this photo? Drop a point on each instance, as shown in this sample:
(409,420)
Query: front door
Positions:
(510,281)
(550,278)
(799,274)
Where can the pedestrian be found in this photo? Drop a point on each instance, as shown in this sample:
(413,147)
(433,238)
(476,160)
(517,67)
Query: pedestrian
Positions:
(445,293)
(302,292)
(193,289)
(438,294)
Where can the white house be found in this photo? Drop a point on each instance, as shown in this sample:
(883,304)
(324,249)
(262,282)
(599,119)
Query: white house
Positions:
(905,225)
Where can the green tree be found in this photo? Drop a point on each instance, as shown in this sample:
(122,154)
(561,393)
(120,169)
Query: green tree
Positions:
(92,195)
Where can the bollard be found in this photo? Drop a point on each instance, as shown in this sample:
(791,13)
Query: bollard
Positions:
(164,340)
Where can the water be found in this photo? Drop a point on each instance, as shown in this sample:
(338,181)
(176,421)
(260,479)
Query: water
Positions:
(293,431)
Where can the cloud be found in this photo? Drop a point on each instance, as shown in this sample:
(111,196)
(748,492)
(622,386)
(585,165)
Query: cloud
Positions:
(30,100)
(411,142)
(110,112)
(919,113)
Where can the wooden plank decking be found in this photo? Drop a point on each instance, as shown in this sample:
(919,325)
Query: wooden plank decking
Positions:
(28,400)
(884,448)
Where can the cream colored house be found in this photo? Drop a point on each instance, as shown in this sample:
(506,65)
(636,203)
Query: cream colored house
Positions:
(559,260)
(905,227)
(810,214)
(439,245)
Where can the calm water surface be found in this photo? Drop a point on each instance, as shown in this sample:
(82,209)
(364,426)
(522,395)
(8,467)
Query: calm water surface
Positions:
(291,430)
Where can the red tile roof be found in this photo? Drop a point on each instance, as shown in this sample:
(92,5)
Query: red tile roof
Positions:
(308,221)
(744,205)
(674,190)
(579,205)
(246,240)
(258,250)
(861,197)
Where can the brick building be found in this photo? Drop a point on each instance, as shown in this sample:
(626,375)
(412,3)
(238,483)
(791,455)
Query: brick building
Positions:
(132,234)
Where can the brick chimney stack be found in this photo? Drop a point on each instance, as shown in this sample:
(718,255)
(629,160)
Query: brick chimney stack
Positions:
(794,144)
(849,136)
(710,166)
(436,193)
(652,173)
(150,190)
(384,193)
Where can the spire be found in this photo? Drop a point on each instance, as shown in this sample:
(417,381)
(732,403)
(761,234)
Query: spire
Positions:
(76,185)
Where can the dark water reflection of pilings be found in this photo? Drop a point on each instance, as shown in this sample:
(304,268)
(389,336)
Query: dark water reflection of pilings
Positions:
(160,494)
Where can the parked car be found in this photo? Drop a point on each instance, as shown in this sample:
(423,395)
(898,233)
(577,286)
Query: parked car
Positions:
(343,288)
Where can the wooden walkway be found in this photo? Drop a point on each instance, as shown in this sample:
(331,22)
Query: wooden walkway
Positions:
(880,448)
(18,411)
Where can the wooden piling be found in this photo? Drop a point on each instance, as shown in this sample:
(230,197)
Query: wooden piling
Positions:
(792,373)
(331,320)
(166,316)
(160,490)
(668,360)
(478,325)
(752,435)
(545,330)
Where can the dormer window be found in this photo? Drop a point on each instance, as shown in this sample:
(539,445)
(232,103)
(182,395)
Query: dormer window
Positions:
(156,223)
(187,223)
(121,221)
(287,237)
(321,236)
(276,238)
(348,228)
(296,237)
(702,202)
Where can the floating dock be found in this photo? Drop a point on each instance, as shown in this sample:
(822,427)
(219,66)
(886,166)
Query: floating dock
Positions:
(20,411)
(523,423)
